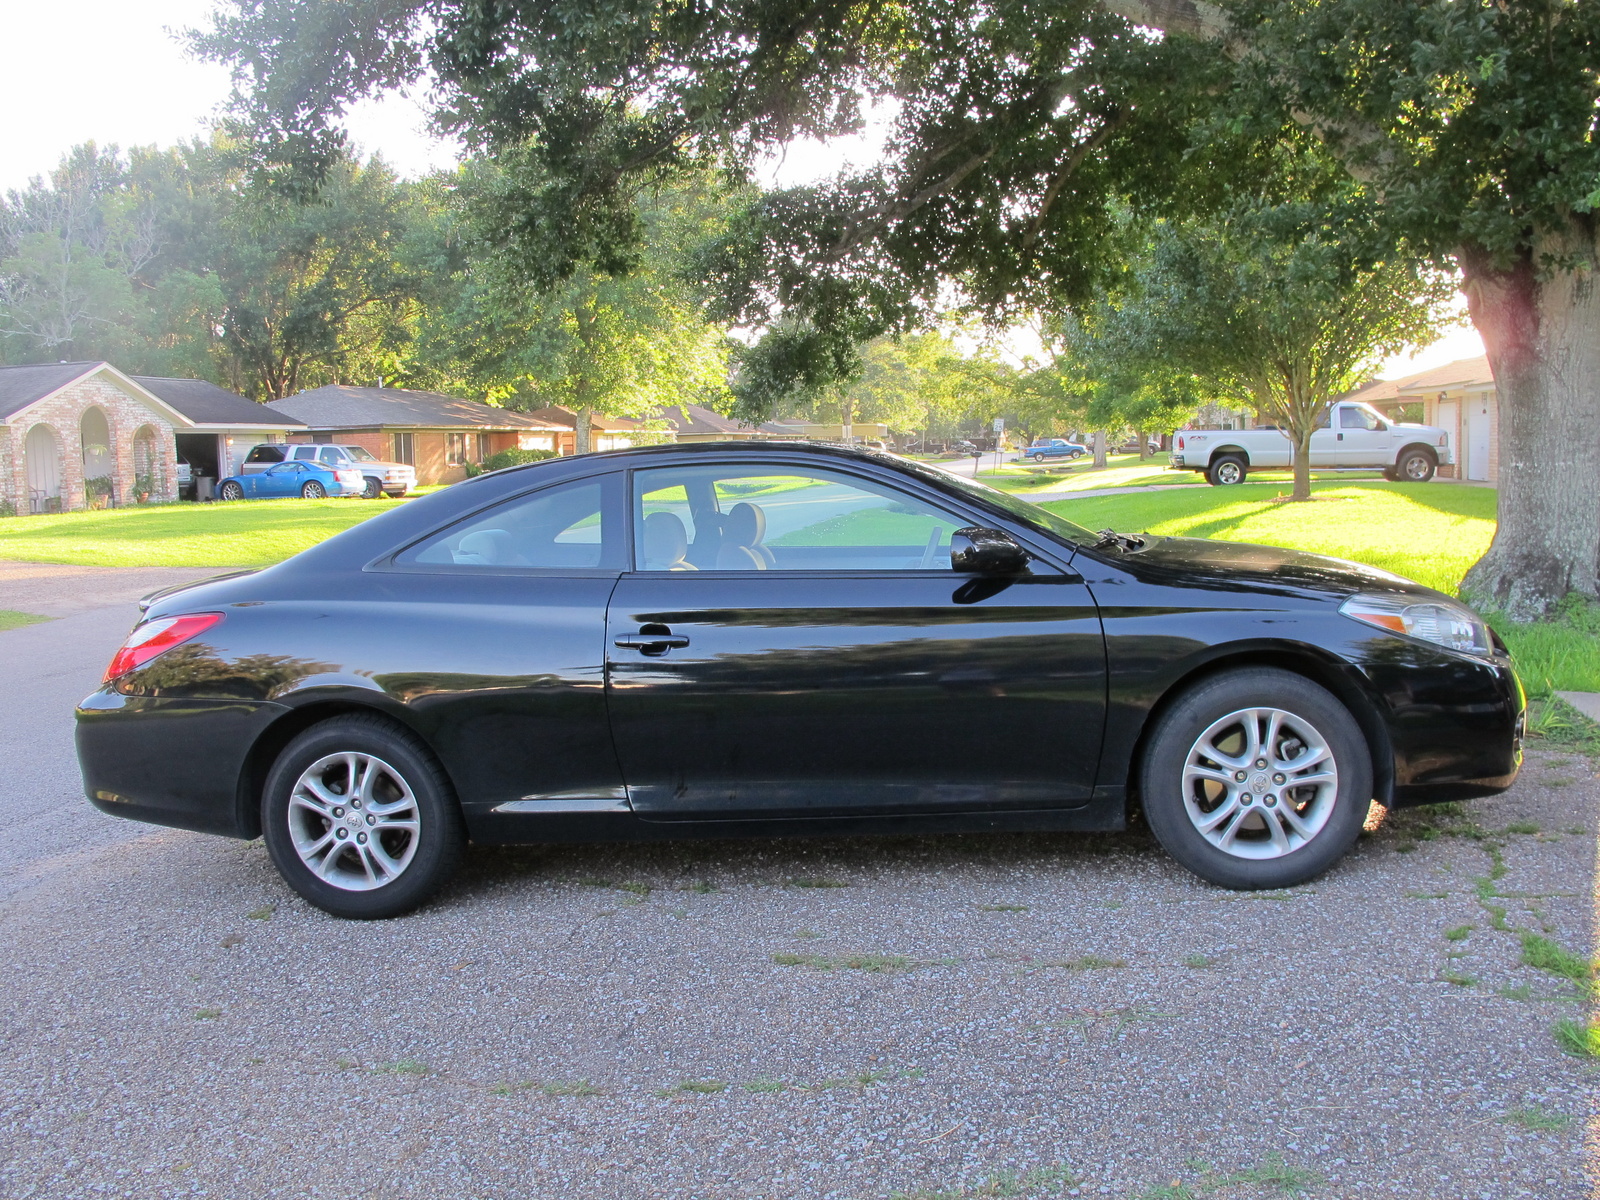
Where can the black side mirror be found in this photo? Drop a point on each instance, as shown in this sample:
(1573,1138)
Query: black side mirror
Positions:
(987,552)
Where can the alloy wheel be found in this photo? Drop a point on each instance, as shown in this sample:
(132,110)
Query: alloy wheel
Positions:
(1260,783)
(354,821)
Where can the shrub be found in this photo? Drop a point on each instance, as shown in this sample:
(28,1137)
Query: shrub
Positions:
(98,485)
(515,458)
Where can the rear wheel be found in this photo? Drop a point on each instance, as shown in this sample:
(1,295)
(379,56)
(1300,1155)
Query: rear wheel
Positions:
(231,491)
(1415,466)
(1227,470)
(360,820)
(1038,458)
(1257,778)
(313,490)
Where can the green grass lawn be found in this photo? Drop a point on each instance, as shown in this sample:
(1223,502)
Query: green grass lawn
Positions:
(253,533)
(10,618)
(1430,532)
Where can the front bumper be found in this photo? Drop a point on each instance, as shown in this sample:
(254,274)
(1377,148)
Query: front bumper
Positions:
(172,761)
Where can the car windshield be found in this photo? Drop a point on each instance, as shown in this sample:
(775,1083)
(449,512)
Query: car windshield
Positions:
(994,498)
(360,454)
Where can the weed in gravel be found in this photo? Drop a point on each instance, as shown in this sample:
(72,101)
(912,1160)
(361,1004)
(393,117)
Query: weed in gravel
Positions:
(637,889)
(1522,827)
(1002,908)
(1405,847)
(1577,830)
(764,1083)
(232,940)
(700,886)
(207,1014)
(1459,933)
(1521,992)
(1558,782)
(262,914)
(1458,979)
(1557,723)
(1427,895)
(570,1087)
(818,883)
(1053,1179)
(1176,1190)
(806,933)
(1541,952)
(1198,961)
(1119,1018)
(404,1066)
(697,1087)
(864,1080)
(1578,1038)
(877,963)
(1540,1120)
(1084,962)
(1276,1173)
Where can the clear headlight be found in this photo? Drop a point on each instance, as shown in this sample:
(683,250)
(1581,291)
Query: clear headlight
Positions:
(1442,622)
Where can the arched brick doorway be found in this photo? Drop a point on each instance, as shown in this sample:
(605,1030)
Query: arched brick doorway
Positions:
(99,461)
(147,463)
(41,455)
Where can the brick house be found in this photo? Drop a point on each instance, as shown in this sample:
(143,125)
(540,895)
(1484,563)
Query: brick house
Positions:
(1459,397)
(605,433)
(219,426)
(437,434)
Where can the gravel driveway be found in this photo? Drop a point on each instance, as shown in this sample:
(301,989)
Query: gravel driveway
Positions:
(930,1017)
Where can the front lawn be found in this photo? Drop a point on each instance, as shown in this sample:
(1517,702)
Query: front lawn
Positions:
(1430,532)
(252,533)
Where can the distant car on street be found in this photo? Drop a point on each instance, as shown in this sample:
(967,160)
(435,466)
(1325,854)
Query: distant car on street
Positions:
(382,478)
(1048,448)
(310,481)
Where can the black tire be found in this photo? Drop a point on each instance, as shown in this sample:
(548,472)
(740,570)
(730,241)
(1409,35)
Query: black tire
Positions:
(1226,470)
(313,491)
(1337,809)
(1038,458)
(1415,466)
(231,491)
(373,490)
(428,855)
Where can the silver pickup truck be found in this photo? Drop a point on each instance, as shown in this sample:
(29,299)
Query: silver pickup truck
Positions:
(1355,437)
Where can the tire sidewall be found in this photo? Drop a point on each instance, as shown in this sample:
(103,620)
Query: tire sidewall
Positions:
(1406,476)
(228,492)
(1168,747)
(440,836)
(313,491)
(1218,468)
(373,489)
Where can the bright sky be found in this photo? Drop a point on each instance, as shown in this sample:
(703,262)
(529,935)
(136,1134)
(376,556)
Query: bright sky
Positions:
(112,71)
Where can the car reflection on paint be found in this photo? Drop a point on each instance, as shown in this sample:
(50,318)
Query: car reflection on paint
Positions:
(745,639)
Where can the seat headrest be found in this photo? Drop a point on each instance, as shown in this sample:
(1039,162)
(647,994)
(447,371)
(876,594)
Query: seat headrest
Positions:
(484,548)
(665,541)
(745,525)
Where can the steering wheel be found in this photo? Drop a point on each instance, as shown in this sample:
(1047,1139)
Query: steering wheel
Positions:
(933,546)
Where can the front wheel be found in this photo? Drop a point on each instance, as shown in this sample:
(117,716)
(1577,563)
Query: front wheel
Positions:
(373,490)
(231,491)
(313,491)
(1415,466)
(360,819)
(1227,470)
(1256,778)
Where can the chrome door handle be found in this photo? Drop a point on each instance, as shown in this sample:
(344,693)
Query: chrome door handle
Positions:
(654,644)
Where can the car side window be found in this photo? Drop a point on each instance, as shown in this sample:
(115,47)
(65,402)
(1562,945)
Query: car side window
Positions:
(266,454)
(329,455)
(305,452)
(766,518)
(1356,418)
(569,526)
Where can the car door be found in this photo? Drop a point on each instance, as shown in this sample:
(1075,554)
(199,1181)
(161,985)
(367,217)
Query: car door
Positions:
(792,640)
(1363,437)
(498,648)
(282,479)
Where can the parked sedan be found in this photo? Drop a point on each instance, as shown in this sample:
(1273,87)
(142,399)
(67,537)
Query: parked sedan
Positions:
(312,481)
(717,640)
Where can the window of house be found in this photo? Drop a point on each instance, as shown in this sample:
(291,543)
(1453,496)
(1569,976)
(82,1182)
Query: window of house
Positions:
(483,447)
(455,450)
(405,448)
(571,526)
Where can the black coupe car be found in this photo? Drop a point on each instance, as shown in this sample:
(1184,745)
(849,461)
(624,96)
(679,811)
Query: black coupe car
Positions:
(712,640)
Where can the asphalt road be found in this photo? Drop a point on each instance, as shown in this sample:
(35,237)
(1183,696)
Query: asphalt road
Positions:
(931,1017)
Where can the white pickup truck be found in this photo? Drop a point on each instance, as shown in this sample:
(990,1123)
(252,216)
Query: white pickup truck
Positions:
(1355,437)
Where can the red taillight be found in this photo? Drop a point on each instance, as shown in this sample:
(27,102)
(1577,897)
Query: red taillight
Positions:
(156,637)
(1180,443)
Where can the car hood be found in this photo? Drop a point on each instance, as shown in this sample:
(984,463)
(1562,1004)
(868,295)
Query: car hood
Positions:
(1201,560)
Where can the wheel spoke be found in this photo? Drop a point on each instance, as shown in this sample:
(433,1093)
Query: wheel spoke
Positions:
(1211,773)
(319,790)
(1296,821)
(1218,815)
(1274,821)
(349,782)
(312,803)
(412,825)
(369,778)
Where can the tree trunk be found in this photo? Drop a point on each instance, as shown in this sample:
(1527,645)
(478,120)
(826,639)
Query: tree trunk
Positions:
(1144,445)
(1542,333)
(582,441)
(1099,448)
(1302,464)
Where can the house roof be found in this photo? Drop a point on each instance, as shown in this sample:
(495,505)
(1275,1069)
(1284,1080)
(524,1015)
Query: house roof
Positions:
(339,407)
(555,414)
(693,420)
(207,404)
(22,386)
(1469,373)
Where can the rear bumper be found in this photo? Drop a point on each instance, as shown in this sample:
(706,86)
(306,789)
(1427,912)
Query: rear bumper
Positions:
(170,761)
